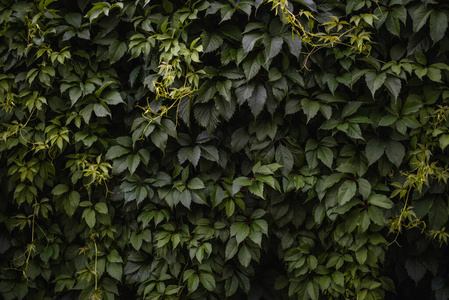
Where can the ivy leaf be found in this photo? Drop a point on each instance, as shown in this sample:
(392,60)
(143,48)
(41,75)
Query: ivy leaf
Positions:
(133,162)
(159,138)
(60,189)
(285,158)
(420,17)
(310,108)
(249,40)
(346,192)
(112,98)
(89,217)
(395,152)
(374,149)
(186,198)
(444,141)
(116,51)
(294,43)
(257,100)
(239,182)
(380,201)
(326,156)
(207,115)
(210,153)
(101,207)
(310,4)
(211,41)
(244,256)
(115,270)
(257,188)
(438,25)
(273,47)
(393,84)
(73,19)
(374,81)
(231,249)
(251,66)
(208,281)
(75,94)
(116,151)
(361,255)
(224,89)
(195,184)
(415,269)
(239,139)
(364,187)
(195,155)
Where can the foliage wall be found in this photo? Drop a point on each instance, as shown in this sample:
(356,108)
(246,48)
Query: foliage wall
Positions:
(224,149)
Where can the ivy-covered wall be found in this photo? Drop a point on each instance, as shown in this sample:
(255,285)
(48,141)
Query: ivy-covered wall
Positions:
(224,149)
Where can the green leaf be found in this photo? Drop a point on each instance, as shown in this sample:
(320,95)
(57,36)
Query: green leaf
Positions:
(239,182)
(101,207)
(112,98)
(249,40)
(380,201)
(116,51)
(74,198)
(438,214)
(75,94)
(326,156)
(239,139)
(420,17)
(60,189)
(257,100)
(224,89)
(434,74)
(273,47)
(115,270)
(231,249)
(211,41)
(374,81)
(444,141)
(415,269)
(310,4)
(395,152)
(195,184)
(207,115)
(257,188)
(244,256)
(114,257)
(393,84)
(374,149)
(438,25)
(350,108)
(361,255)
(133,162)
(89,217)
(364,187)
(310,108)
(346,192)
(240,231)
(193,283)
(285,158)
(186,198)
(251,67)
(338,278)
(73,19)
(208,281)
(159,139)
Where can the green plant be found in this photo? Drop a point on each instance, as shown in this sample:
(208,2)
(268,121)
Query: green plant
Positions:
(225,149)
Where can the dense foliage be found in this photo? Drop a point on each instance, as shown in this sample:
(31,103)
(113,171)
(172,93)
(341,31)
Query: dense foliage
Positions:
(224,149)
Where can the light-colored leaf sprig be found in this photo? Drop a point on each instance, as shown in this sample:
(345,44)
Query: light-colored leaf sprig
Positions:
(335,30)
